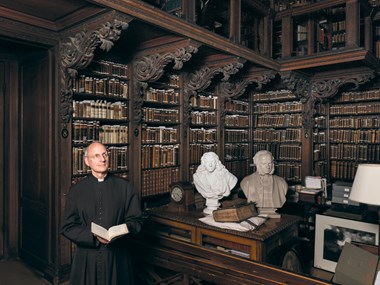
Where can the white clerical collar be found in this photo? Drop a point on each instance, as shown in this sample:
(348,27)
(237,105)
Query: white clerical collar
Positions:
(102,179)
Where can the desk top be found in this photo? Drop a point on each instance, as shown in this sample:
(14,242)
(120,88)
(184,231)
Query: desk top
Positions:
(269,229)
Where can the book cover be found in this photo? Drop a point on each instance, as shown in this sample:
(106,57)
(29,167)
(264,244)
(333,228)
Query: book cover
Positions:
(236,213)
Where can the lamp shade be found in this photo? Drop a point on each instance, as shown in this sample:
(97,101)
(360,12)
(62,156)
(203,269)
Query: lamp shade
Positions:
(366,186)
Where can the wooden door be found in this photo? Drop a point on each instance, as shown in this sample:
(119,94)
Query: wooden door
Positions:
(36,156)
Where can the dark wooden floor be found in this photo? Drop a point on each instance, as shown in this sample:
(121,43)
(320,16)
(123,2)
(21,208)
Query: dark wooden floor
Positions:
(15,272)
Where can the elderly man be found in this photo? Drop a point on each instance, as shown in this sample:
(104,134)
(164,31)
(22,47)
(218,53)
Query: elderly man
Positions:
(264,188)
(107,200)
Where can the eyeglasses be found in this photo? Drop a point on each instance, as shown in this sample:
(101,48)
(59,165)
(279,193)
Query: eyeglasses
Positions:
(104,155)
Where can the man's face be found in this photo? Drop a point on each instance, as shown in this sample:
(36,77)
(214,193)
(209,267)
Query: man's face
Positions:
(265,164)
(210,164)
(97,158)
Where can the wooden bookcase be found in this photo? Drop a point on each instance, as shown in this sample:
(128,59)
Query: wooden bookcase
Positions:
(203,131)
(354,132)
(160,140)
(237,144)
(277,127)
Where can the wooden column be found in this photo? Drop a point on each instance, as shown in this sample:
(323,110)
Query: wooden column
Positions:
(352,23)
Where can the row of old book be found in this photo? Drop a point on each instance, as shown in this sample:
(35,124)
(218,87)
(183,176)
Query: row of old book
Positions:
(155,156)
(343,169)
(100,109)
(284,120)
(236,151)
(160,134)
(273,135)
(110,68)
(202,135)
(355,136)
(354,109)
(203,118)
(366,95)
(236,135)
(166,96)
(157,181)
(237,106)
(274,95)
(285,107)
(160,115)
(112,87)
(355,122)
(89,131)
(204,101)
(361,152)
(236,121)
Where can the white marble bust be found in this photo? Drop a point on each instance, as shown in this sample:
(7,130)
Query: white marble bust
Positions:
(263,187)
(213,181)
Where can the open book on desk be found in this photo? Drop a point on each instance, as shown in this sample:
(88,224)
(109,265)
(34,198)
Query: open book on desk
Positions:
(111,233)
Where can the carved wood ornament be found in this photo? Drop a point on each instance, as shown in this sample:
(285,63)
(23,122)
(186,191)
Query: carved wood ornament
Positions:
(150,68)
(76,54)
(320,87)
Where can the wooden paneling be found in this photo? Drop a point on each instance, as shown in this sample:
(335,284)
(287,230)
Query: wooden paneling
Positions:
(2,99)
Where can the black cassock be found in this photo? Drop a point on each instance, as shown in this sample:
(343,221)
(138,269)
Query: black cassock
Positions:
(107,203)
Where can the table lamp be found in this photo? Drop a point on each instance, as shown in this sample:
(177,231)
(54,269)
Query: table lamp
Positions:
(366,187)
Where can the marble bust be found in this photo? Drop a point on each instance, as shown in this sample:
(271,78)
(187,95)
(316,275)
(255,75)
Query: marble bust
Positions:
(213,181)
(263,187)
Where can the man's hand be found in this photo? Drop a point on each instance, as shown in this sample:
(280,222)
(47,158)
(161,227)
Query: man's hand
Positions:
(102,240)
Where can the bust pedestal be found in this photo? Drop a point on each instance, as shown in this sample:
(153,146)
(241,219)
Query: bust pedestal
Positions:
(212,204)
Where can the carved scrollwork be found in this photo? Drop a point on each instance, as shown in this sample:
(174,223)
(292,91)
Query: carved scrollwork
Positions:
(236,89)
(326,88)
(201,79)
(151,68)
(77,53)
(140,90)
(298,83)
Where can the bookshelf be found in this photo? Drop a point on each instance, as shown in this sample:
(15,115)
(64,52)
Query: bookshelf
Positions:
(310,27)
(203,127)
(320,140)
(354,132)
(160,140)
(277,127)
(236,137)
(101,113)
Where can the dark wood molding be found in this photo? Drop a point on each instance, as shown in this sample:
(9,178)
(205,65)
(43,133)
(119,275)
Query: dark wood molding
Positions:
(330,60)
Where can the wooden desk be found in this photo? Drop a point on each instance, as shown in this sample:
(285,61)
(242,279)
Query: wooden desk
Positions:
(185,246)
(263,244)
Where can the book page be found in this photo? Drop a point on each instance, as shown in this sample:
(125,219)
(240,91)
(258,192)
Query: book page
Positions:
(99,231)
(111,233)
(117,231)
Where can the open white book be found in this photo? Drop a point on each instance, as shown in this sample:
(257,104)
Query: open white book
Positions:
(111,233)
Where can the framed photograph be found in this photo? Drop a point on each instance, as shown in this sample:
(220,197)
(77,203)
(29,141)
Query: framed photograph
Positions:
(331,233)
